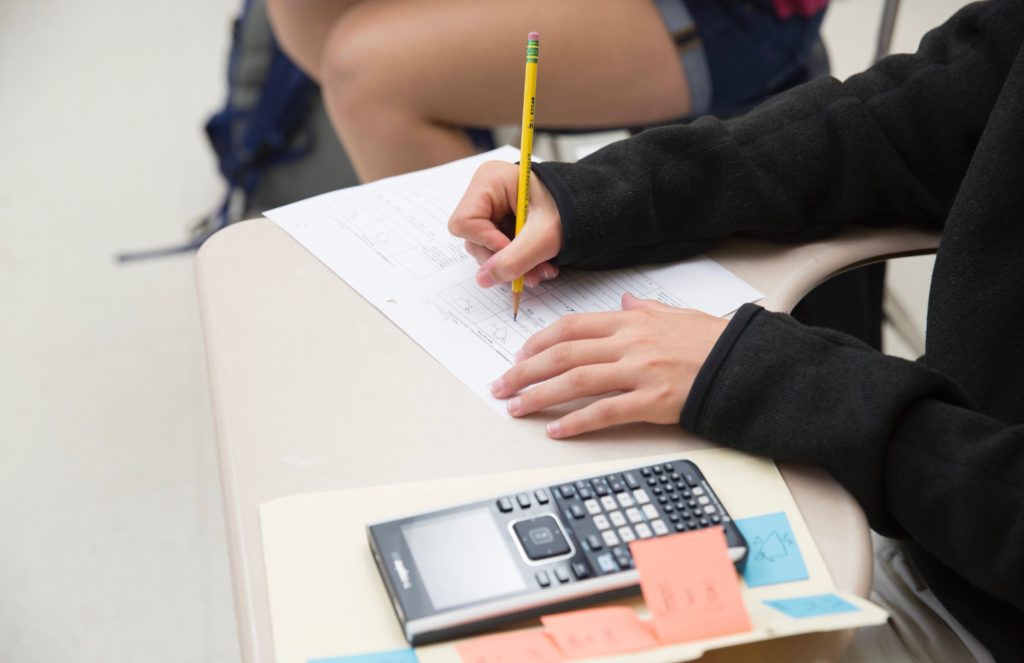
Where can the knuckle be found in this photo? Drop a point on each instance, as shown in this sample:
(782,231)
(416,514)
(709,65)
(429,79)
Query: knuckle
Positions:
(562,353)
(568,325)
(579,379)
(606,410)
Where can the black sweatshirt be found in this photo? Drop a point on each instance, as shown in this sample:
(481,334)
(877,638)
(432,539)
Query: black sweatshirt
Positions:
(933,450)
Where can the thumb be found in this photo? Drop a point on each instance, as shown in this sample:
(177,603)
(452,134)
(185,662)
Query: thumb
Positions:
(530,248)
(631,303)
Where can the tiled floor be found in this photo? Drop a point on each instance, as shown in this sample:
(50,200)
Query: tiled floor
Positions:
(112,545)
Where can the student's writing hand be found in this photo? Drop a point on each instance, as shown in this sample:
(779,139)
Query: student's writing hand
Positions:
(485,218)
(641,360)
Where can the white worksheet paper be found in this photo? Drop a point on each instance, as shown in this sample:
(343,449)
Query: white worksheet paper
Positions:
(389,240)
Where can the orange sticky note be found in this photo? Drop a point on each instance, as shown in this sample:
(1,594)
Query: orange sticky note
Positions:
(690,586)
(598,631)
(512,647)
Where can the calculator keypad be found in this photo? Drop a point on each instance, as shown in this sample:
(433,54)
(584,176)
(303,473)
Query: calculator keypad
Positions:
(603,514)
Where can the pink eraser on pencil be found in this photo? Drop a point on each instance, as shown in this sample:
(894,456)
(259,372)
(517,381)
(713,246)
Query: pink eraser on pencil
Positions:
(534,36)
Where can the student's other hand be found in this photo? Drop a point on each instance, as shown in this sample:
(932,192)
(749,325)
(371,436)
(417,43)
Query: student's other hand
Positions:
(641,360)
(486,219)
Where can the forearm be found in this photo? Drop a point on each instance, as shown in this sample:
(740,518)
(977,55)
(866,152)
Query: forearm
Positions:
(887,146)
(901,438)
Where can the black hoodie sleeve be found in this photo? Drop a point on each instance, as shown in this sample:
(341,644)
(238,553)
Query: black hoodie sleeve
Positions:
(887,146)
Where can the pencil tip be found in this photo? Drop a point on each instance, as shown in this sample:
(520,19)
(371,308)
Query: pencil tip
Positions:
(514,316)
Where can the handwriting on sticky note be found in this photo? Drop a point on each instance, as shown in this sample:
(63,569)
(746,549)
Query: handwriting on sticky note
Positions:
(512,647)
(812,606)
(774,555)
(395,656)
(599,631)
(690,586)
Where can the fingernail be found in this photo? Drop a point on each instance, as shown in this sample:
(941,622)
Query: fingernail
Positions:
(555,429)
(484,278)
(531,282)
(549,272)
(515,405)
(496,387)
(520,354)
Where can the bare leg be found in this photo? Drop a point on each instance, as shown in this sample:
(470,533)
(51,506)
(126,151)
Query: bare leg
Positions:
(402,77)
(301,28)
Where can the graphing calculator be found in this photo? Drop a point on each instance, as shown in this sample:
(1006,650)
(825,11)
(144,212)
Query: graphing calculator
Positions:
(463,569)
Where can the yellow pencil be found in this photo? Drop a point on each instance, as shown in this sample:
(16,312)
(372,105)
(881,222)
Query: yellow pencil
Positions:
(526,152)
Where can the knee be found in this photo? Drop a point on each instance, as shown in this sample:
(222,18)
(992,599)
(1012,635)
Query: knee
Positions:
(356,68)
(289,23)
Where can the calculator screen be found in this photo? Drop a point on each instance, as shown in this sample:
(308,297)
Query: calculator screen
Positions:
(463,557)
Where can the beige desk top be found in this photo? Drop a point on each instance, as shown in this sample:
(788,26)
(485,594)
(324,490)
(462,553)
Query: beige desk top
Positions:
(314,389)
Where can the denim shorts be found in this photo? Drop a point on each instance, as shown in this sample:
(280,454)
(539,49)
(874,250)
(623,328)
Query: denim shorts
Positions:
(737,53)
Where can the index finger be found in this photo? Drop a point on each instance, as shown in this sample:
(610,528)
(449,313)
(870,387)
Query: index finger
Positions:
(573,327)
(486,202)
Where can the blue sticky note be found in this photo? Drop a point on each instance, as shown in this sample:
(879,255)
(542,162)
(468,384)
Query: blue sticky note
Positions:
(812,606)
(396,656)
(774,556)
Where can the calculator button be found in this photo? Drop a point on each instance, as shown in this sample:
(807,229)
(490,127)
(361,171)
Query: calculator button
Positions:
(703,499)
(541,495)
(704,522)
(585,493)
(691,478)
(674,517)
(658,469)
(641,496)
(610,539)
(650,511)
(582,483)
(580,569)
(626,500)
(664,479)
(626,534)
(524,500)
(668,508)
(616,484)
(609,503)
(659,527)
(606,563)
(631,480)
(600,487)
(657,490)
(593,508)
(504,505)
(542,579)
(594,541)
(674,475)
(681,487)
(679,526)
(634,515)
(643,531)
(652,481)
(646,471)
(622,557)
(691,524)
(617,518)
(715,519)
(663,499)
(577,511)
(709,509)
(567,492)
(561,574)
(685,492)
(600,522)
(541,537)
(691,503)
(698,491)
